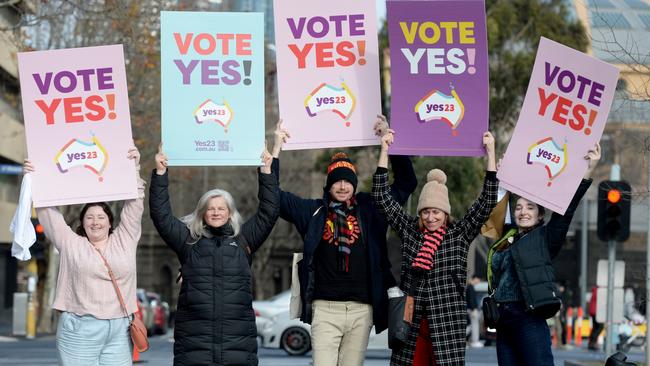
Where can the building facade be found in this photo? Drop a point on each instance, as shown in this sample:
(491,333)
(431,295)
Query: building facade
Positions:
(12,153)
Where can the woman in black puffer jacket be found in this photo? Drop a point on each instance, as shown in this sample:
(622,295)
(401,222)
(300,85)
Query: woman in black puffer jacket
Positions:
(215,322)
(522,280)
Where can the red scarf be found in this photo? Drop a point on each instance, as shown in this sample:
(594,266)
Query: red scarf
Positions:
(432,240)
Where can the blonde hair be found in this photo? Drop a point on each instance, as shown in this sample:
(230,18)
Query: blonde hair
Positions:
(194,221)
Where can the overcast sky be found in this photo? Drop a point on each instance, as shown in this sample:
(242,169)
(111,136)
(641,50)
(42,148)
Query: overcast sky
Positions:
(381,11)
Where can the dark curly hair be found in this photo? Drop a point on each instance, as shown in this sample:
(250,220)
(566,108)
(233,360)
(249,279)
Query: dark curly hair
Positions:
(107,210)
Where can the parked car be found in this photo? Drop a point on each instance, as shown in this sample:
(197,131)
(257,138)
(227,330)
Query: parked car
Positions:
(155,312)
(266,310)
(145,308)
(160,313)
(276,330)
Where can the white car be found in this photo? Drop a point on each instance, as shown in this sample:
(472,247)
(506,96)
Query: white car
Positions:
(276,330)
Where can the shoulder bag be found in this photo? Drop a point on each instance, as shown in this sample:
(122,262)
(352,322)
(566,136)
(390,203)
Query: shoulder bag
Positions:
(136,326)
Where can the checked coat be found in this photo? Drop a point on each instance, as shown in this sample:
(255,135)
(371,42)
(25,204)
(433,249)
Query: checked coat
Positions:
(439,294)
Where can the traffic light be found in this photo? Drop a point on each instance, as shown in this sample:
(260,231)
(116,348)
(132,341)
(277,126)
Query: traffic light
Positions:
(614,211)
(38,228)
(38,248)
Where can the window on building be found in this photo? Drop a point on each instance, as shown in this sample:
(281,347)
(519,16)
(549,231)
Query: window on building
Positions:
(600,4)
(637,4)
(609,20)
(645,18)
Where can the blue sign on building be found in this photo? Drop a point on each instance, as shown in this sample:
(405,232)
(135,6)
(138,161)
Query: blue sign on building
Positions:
(13,169)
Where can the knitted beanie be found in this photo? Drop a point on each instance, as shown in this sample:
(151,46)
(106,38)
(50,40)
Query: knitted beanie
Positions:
(341,167)
(434,193)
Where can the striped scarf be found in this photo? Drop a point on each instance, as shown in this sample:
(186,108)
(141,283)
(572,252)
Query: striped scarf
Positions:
(344,230)
(432,240)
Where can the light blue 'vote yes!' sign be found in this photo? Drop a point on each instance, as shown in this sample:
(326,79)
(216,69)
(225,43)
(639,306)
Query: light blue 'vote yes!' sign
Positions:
(212,75)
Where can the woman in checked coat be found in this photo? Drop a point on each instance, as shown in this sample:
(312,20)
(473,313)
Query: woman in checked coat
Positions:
(434,260)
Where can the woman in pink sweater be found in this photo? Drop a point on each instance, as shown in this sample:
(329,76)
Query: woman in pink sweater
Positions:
(93,328)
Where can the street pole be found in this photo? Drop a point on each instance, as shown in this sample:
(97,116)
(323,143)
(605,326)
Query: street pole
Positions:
(583,255)
(611,258)
(647,281)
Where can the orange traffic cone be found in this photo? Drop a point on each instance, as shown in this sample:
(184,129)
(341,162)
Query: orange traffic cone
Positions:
(136,354)
(578,327)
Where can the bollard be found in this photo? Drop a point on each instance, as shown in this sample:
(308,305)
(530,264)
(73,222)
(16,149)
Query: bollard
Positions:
(578,337)
(32,280)
(569,325)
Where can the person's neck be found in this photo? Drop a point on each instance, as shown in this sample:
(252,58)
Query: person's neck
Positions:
(99,244)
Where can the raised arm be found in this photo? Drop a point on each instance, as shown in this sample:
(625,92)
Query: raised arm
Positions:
(55,227)
(174,232)
(130,228)
(258,227)
(52,220)
(558,226)
(293,209)
(405,181)
(381,191)
(480,210)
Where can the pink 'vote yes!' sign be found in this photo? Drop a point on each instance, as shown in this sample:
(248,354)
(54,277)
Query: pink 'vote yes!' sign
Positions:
(77,124)
(563,116)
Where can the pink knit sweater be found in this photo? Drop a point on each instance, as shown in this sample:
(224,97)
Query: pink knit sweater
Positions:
(84,286)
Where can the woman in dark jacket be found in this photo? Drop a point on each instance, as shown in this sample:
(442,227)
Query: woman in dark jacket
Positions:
(522,280)
(215,322)
(434,261)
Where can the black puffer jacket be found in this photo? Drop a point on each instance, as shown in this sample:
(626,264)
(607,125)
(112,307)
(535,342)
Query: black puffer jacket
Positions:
(532,254)
(215,323)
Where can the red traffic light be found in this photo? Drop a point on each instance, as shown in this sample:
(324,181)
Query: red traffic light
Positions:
(614,209)
(38,228)
(614,195)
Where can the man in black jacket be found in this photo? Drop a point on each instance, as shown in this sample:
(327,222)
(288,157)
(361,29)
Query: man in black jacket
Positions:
(345,270)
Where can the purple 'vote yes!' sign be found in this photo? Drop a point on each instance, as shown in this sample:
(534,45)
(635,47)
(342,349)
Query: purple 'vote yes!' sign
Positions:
(439,77)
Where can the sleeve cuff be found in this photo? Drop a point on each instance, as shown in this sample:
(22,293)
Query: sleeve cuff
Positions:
(160,179)
(381,170)
(491,176)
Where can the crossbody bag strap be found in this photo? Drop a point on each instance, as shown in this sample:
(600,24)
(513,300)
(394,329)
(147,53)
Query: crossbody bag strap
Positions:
(112,275)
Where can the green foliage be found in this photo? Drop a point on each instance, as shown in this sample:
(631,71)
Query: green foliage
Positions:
(464,180)
(514,28)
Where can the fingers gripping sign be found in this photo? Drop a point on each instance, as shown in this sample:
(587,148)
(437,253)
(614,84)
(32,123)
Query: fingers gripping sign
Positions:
(161,161)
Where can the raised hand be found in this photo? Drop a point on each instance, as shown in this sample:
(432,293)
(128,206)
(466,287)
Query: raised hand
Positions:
(28,167)
(134,154)
(161,161)
(381,125)
(387,139)
(281,136)
(267,160)
(592,157)
(488,142)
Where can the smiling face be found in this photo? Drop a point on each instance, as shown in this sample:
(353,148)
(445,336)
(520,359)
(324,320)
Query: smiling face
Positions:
(526,214)
(96,224)
(217,213)
(341,191)
(432,218)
